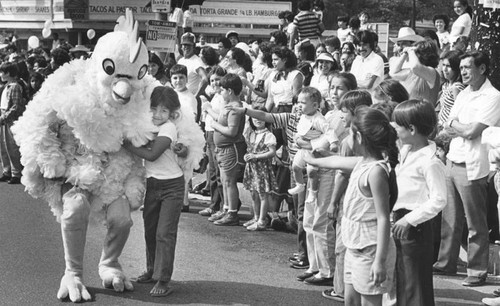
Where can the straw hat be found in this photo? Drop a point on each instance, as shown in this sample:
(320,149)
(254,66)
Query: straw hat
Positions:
(79,48)
(407,34)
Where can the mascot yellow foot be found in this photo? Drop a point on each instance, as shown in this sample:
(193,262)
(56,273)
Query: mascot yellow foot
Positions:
(72,286)
(74,222)
(118,222)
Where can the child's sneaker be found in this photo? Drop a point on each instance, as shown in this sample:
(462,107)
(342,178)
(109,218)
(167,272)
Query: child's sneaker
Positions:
(207,212)
(217,216)
(332,295)
(249,222)
(311,196)
(230,218)
(257,226)
(297,189)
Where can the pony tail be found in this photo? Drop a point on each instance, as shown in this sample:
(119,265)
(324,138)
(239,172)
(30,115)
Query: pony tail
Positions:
(468,10)
(393,189)
(393,158)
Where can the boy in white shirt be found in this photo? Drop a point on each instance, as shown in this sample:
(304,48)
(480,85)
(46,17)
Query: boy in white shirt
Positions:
(178,78)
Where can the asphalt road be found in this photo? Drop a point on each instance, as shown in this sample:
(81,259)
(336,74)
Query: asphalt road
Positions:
(213,265)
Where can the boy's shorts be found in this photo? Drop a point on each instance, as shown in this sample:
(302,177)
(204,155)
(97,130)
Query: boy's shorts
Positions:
(230,158)
(357,268)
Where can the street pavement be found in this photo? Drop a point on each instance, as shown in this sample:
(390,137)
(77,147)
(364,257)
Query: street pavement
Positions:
(213,266)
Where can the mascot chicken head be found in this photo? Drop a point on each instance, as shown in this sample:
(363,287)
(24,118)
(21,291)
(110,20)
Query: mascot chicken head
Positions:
(120,71)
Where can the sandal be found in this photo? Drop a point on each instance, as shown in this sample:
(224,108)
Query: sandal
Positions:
(146,277)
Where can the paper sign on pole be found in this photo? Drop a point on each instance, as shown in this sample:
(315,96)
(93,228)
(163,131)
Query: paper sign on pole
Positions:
(161,35)
(160,6)
(493,4)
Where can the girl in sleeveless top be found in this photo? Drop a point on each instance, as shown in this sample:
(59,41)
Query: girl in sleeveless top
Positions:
(286,82)
(259,177)
(371,253)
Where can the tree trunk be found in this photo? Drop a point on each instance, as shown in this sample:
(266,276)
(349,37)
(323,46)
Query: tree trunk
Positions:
(485,36)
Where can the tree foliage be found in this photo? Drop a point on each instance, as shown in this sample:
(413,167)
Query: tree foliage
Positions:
(395,12)
(485,36)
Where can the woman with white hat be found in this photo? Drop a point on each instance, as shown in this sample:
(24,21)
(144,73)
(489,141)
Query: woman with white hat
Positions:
(324,68)
(416,70)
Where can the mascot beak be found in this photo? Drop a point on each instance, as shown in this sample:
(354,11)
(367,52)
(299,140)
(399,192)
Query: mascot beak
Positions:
(122,90)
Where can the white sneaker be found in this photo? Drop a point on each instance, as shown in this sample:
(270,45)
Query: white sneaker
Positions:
(257,226)
(297,189)
(249,222)
(491,301)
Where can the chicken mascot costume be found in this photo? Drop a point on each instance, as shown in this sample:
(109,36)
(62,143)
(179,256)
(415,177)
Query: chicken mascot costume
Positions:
(71,136)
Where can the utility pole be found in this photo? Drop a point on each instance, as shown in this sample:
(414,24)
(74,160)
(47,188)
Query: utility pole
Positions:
(413,21)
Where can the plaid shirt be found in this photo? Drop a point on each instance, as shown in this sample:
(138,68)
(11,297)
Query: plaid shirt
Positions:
(16,103)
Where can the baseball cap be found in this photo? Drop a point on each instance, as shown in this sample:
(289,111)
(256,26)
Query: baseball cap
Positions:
(188,39)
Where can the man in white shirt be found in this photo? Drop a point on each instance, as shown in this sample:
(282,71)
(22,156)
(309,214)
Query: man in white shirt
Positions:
(368,67)
(475,108)
(197,78)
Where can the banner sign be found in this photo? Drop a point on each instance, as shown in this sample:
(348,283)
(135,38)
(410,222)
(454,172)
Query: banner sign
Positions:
(224,12)
(76,9)
(161,36)
(29,9)
(248,12)
(160,6)
(112,9)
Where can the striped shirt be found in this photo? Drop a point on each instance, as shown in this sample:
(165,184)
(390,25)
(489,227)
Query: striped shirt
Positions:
(307,24)
(287,122)
(447,100)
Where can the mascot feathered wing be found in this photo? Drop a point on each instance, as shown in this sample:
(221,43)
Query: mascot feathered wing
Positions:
(70,139)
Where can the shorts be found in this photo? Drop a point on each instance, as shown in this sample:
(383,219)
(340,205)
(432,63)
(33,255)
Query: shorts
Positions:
(357,266)
(230,159)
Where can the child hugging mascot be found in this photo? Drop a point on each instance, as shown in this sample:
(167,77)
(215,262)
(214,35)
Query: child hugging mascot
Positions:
(71,136)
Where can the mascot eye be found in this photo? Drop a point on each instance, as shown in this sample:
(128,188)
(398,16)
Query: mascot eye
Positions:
(108,66)
(142,71)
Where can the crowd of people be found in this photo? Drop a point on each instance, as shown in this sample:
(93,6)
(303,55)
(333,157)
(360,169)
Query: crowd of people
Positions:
(377,164)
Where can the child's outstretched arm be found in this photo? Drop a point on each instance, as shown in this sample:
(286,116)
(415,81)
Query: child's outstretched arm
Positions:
(257,114)
(344,163)
(379,186)
(159,145)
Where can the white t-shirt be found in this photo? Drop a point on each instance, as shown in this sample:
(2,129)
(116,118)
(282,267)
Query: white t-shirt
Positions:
(4,102)
(482,105)
(188,19)
(165,167)
(192,64)
(444,38)
(187,98)
(464,21)
(364,68)
(217,105)
(342,34)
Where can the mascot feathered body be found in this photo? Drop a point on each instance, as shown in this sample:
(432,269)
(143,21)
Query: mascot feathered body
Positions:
(71,137)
